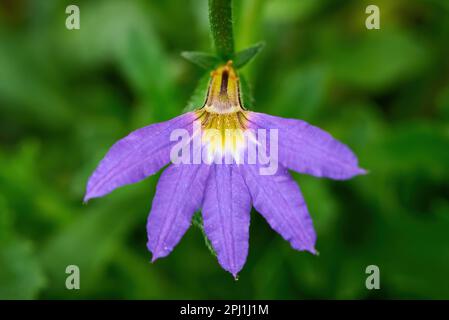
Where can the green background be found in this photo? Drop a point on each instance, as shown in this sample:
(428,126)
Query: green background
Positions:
(67,96)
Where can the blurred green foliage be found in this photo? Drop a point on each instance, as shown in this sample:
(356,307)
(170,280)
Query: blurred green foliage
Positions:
(66,96)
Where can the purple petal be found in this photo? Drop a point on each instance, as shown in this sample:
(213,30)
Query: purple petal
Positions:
(308,149)
(226,216)
(278,198)
(179,194)
(133,158)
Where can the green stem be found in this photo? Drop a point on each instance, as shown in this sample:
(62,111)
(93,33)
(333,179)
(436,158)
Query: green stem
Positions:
(220,18)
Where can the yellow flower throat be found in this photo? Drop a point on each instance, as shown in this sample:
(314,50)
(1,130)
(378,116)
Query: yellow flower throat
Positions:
(223,118)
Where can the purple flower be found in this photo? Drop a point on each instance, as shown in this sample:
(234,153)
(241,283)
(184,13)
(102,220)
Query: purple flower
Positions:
(225,192)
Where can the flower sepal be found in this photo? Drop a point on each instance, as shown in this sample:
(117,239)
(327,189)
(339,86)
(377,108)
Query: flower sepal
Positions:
(210,61)
(204,60)
(247,55)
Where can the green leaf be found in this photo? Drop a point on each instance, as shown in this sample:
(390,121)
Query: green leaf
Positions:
(141,57)
(379,60)
(202,59)
(412,148)
(44,102)
(21,275)
(413,252)
(443,104)
(91,240)
(301,92)
(268,266)
(321,202)
(245,56)
(135,47)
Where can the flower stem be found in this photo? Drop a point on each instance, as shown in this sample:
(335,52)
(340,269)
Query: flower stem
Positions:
(220,18)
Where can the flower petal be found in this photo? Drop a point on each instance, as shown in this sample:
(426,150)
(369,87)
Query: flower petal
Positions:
(179,194)
(226,215)
(278,198)
(308,149)
(133,158)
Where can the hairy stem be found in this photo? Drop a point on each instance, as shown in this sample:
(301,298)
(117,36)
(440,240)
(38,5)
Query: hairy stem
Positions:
(220,18)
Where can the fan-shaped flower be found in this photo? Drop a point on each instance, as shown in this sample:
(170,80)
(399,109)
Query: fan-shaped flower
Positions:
(223,190)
